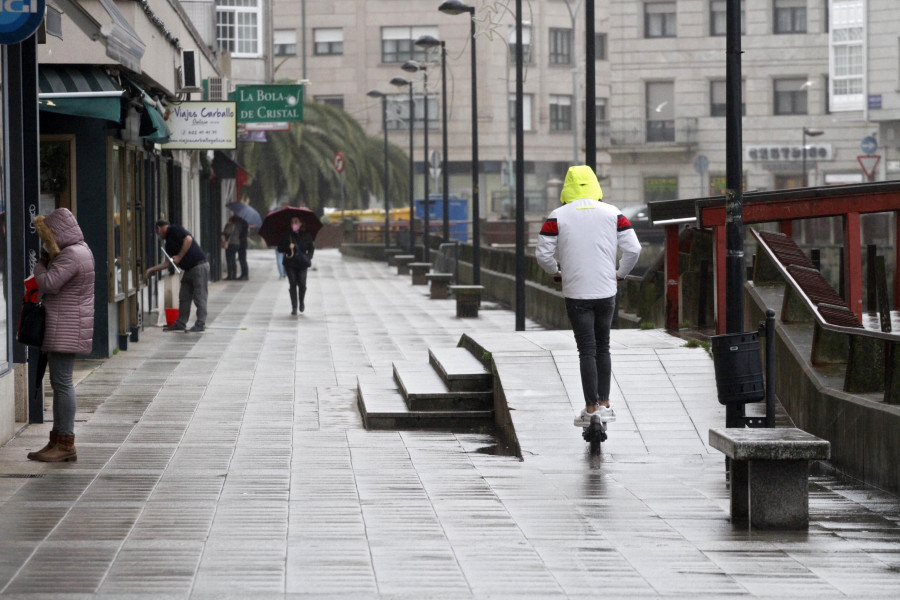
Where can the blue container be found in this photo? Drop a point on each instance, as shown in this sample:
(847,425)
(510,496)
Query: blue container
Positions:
(458,211)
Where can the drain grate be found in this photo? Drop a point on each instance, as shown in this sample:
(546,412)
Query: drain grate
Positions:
(21,475)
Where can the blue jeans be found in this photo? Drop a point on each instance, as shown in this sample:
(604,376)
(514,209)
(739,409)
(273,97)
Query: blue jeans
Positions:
(279,260)
(591,321)
(62,365)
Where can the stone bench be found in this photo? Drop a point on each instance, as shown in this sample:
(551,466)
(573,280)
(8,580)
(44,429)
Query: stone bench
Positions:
(440,284)
(390,254)
(402,261)
(468,299)
(418,270)
(770,474)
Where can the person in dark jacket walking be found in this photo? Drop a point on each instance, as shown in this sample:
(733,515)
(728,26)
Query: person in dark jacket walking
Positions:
(298,248)
(65,279)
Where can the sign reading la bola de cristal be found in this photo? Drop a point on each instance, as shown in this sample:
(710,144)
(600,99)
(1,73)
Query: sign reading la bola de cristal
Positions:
(269,103)
(19,19)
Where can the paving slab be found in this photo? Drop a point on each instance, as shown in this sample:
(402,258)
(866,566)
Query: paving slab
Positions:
(235,464)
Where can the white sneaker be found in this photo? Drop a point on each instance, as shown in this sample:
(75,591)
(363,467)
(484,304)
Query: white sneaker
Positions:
(607,414)
(584,419)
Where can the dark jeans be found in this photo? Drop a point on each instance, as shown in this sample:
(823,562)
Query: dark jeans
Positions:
(297,282)
(231,261)
(591,320)
(242,258)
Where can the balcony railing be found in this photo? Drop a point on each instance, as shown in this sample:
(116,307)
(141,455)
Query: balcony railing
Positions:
(638,133)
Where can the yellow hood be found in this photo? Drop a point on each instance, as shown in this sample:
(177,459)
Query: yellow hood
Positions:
(580,183)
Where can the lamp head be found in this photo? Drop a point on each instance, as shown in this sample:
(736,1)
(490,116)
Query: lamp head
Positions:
(812,132)
(428,41)
(455,7)
(411,66)
(375,94)
(400,81)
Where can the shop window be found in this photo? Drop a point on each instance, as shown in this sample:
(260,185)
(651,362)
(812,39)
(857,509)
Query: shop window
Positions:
(660,188)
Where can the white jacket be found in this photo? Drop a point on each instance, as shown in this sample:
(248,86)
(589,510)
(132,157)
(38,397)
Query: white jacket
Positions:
(587,234)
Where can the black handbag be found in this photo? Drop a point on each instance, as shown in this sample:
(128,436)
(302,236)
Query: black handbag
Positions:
(297,260)
(31,324)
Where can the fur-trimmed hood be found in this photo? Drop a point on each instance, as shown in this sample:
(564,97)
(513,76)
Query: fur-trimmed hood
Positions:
(58,230)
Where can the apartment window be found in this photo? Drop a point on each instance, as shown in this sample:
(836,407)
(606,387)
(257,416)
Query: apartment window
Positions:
(660,188)
(238,28)
(790,96)
(659,19)
(399,112)
(527,100)
(336,101)
(398,43)
(790,16)
(717,98)
(526,44)
(328,42)
(600,109)
(284,42)
(560,112)
(846,54)
(600,46)
(718,18)
(560,46)
(660,111)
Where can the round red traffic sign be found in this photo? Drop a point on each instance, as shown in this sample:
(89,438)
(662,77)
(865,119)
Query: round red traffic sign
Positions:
(338,162)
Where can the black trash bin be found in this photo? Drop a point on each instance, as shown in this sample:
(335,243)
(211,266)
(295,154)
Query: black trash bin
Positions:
(738,364)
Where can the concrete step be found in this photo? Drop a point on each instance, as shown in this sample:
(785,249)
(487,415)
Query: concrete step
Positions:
(423,389)
(460,369)
(383,408)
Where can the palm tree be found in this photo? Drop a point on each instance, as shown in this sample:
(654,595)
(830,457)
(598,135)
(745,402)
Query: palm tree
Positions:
(298,164)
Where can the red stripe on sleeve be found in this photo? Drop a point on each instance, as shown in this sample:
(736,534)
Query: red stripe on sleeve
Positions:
(623,223)
(550,227)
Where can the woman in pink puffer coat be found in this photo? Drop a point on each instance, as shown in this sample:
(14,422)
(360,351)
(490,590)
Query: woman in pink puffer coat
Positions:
(65,278)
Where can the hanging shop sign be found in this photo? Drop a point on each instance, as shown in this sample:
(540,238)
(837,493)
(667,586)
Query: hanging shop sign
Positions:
(269,103)
(202,126)
(19,19)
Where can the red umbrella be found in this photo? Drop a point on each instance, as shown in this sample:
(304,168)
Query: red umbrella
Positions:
(278,222)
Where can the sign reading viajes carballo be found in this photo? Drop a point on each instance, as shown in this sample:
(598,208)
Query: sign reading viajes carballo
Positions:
(269,103)
(19,19)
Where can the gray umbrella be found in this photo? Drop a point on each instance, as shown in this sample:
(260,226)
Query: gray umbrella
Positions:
(246,212)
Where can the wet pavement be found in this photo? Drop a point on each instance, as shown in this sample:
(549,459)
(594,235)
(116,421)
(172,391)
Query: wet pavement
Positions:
(234,464)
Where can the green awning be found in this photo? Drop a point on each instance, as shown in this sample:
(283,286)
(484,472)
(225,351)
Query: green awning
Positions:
(153,122)
(79,91)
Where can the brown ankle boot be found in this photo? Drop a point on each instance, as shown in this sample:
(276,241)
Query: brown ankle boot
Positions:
(54,436)
(63,451)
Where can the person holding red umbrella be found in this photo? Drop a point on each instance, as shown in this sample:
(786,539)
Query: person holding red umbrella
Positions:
(297,247)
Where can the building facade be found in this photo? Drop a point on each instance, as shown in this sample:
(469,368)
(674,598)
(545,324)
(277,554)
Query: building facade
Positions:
(826,67)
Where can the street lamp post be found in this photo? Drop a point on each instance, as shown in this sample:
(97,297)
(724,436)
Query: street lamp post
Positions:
(811,133)
(428,41)
(400,82)
(412,66)
(387,201)
(456,7)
